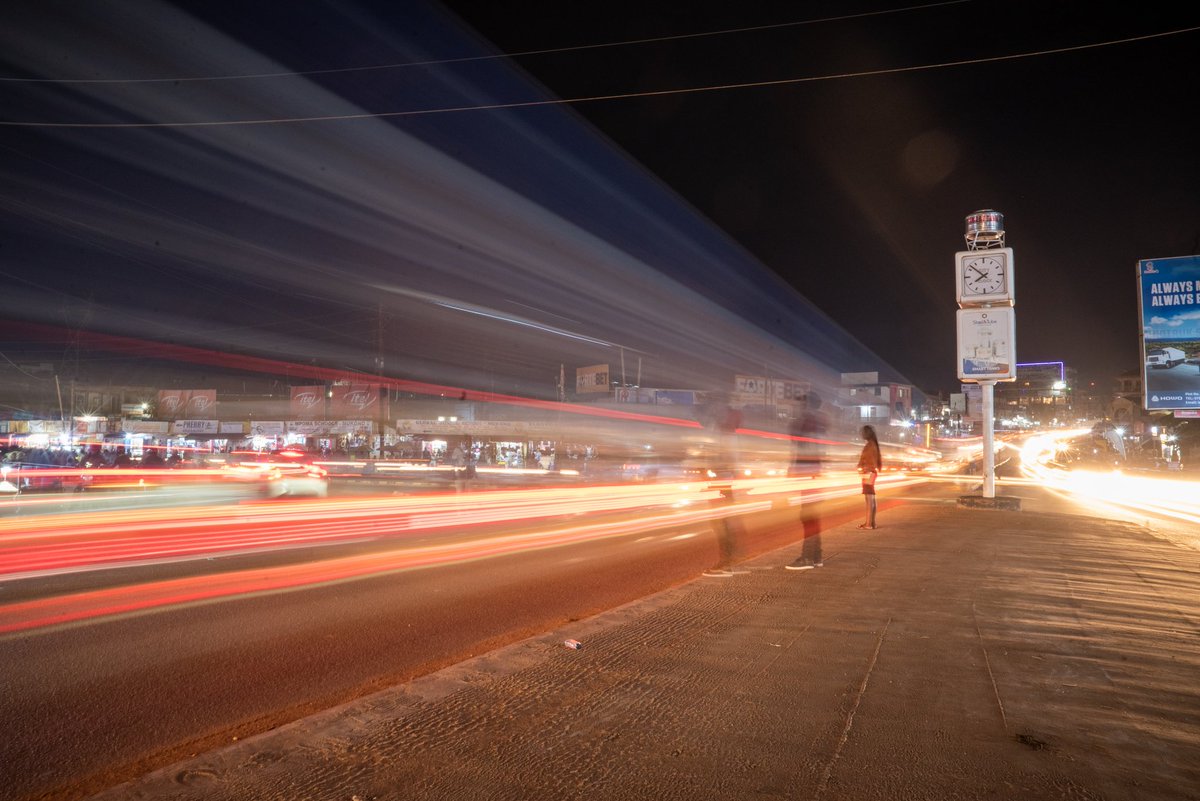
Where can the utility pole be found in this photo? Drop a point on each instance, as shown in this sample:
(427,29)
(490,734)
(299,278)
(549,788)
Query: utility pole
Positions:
(62,416)
(381,410)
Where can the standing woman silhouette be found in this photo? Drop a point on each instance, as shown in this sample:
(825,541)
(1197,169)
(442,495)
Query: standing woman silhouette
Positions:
(869,462)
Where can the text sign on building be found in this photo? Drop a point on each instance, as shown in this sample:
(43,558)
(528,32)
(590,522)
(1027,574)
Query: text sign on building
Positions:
(1169,304)
(185,427)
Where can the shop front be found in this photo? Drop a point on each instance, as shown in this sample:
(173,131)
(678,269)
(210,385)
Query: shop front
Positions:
(329,437)
(486,443)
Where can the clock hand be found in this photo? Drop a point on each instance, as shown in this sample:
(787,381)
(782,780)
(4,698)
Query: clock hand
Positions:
(977,271)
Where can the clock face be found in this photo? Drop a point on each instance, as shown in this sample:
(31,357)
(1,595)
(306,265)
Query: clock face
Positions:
(984,275)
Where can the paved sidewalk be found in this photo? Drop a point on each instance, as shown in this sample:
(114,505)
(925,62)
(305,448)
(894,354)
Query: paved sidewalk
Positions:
(949,654)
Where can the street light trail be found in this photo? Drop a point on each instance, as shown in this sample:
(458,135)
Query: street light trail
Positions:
(44,545)
(130,599)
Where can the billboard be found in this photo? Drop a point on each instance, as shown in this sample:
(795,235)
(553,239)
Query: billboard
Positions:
(761,388)
(1042,376)
(178,404)
(1168,295)
(356,401)
(591,379)
(308,403)
(674,397)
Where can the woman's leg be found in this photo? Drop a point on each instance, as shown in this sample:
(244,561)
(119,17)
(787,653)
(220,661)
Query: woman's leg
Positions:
(871,511)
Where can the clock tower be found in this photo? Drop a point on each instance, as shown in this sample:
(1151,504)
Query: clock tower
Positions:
(983,278)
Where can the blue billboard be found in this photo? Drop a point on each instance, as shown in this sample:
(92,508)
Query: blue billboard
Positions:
(1169,302)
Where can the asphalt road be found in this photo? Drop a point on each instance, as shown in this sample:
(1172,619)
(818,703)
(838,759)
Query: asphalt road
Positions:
(95,702)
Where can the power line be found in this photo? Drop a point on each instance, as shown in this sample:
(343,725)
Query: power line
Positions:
(519,54)
(596,98)
(22,370)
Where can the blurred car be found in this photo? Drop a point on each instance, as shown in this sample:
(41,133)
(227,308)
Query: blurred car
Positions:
(292,454)
(911,468)
(33,476)
(282,476)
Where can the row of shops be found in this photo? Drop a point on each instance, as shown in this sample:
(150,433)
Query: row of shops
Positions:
(497,443)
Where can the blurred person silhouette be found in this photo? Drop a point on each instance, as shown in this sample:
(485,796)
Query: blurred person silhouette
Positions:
(808,430)
(93,456)
(726,420)
(869,463)
(470,459)
(122,458)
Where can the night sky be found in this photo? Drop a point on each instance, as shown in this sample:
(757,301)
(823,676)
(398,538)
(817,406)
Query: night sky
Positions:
(847,179)
(854,189)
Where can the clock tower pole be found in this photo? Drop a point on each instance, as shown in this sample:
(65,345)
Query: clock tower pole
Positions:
(986,324)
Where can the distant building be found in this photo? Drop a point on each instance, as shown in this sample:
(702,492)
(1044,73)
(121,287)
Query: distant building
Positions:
(864,400)
(1043,394)
(1127,402)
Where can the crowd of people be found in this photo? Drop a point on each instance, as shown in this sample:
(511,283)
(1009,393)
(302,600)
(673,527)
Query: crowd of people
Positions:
(95,456)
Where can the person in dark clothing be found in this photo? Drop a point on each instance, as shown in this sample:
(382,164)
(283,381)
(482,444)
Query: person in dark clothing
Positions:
(726,421)
(808,431)
(869,463)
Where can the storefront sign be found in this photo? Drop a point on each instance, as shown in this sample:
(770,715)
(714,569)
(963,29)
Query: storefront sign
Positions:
(196,427)
(674,397)
(633,395)
(312,428)
(490,429)
(145,427)
(40,427)
(90,425)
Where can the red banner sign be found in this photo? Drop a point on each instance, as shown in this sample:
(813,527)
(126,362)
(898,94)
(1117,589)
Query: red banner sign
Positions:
(186,404)
(355,402)
(308,403)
